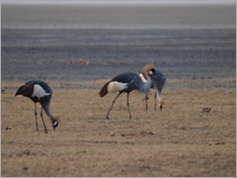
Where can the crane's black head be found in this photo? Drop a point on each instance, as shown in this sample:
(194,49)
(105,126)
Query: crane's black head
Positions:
(25,90)
(152,72)
(55,124)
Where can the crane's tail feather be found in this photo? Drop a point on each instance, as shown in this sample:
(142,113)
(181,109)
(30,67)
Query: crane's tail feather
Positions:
(104,89)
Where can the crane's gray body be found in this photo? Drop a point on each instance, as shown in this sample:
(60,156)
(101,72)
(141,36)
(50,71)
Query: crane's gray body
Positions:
(39,91)
(45,99)
(158,83)
(133,81)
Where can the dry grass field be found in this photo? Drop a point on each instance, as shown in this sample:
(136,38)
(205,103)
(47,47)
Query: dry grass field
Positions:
(180,140)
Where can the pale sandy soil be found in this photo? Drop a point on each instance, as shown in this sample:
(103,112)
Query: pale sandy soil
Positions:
(180,140)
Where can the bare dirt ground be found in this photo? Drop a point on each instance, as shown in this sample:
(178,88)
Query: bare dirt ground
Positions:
(180,140)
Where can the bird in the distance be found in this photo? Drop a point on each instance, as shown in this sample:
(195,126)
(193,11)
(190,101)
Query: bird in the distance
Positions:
(127,82)
(39,91)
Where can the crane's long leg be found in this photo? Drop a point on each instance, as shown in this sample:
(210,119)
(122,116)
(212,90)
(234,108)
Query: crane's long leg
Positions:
(41,114)
(130,116)
(36,123)
(107,116)
(146,105)
(155,100)
(146,98)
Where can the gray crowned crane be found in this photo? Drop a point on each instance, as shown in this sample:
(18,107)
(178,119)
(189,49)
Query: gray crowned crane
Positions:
(127,82)
(39,91)
(158,84)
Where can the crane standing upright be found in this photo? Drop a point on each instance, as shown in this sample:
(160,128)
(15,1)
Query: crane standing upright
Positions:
(39,91)
(158,83)
(127,82)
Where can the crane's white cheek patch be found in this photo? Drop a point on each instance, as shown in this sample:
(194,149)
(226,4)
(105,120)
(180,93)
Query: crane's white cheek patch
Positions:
(116,86)
(39,92)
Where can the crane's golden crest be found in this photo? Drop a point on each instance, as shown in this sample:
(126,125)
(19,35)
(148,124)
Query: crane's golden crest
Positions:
(148,67)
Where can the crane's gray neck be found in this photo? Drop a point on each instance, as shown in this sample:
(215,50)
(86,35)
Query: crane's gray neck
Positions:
(48,112)
(146,82)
